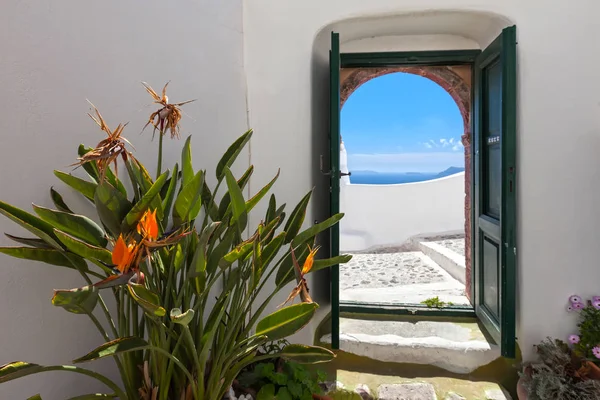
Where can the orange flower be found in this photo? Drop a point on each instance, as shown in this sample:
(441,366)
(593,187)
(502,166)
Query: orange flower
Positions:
(309,260)
(148,227)
(123,254)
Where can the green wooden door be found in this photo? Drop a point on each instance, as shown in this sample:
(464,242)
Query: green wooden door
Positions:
(494,134)
(334,196)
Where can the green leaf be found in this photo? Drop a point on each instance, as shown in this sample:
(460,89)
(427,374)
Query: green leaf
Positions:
(84,249)
(209,202)
(225,204)
(307,354)
(93,396)
(58,201)
(82,186)
(140,175)
(219,251)
(186,162)
(33,224)
(182,318)
(48,256)
(186,200)
(239,252)
(314,230)
(77,301)
(17,369)
(237,201)
(284,394)
(267,392)
(76,225)
(231,154)
(134,215)
(286,321)
(148,300)
(170,196)
(35,397)
(199,262)
(112,207)
(39,243)
(112,348)
(294,223)
(254,200)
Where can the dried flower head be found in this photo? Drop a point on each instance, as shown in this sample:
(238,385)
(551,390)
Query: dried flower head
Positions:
(168,117)
(108,150)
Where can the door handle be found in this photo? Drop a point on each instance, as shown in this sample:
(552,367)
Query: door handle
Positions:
(345,174)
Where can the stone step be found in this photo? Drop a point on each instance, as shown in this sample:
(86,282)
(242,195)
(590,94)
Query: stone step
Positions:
(447,254)
(430,389)
(458,347)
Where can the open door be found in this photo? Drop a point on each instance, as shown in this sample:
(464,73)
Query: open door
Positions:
(494,133)
(334,195)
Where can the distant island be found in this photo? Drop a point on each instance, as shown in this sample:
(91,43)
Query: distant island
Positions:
(367,177)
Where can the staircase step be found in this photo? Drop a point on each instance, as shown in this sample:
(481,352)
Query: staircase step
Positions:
(456,347)
(447,255)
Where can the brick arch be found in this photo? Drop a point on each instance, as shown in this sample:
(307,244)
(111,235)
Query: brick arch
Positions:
(457,82)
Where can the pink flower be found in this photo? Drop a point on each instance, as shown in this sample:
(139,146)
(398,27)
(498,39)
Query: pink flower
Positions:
(595,298)
(570,308)
(575,299)
(578,306)
(574,339)
(596,351)
(596,304)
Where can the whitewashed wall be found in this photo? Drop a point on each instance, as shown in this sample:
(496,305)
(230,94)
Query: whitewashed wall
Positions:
(55,54)
(286,47)
(378,215)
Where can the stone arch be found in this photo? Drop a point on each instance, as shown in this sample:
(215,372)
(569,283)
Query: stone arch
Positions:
(456,80)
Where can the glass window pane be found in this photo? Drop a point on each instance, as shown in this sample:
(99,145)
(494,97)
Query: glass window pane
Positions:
(492,136)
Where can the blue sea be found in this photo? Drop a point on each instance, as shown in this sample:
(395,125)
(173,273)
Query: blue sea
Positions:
(383,178)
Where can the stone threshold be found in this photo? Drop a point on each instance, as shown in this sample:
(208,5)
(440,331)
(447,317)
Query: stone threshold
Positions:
(458,347)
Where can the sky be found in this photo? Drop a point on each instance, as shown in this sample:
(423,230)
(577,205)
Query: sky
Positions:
(402,122)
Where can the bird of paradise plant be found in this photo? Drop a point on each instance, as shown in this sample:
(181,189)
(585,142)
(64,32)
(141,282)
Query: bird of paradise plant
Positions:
(188,281)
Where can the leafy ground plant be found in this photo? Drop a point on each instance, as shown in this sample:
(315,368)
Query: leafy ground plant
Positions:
(190,277)
(435,302)
(282,379)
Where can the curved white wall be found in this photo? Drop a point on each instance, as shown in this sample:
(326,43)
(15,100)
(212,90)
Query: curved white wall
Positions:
(378,215)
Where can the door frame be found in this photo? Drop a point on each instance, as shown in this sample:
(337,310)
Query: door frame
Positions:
(402,59)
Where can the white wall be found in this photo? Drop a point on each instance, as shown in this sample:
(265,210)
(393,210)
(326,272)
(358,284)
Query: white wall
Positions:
(286,47)
(55,54)
(378,215)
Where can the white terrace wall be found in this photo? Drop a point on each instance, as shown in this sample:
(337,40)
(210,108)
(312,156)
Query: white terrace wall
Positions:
(377,215)
(55,54)
(286,47)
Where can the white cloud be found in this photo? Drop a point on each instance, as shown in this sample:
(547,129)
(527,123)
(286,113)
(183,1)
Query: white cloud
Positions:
(435,161)
(428,145)
(457,147)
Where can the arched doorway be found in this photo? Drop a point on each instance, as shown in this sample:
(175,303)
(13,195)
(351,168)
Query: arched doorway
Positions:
(456,80)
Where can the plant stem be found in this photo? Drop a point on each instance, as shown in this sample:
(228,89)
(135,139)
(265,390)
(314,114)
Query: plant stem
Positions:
(160,153)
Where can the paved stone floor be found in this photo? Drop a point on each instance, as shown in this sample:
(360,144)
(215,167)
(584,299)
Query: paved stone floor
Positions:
(390,277)
(388,270)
